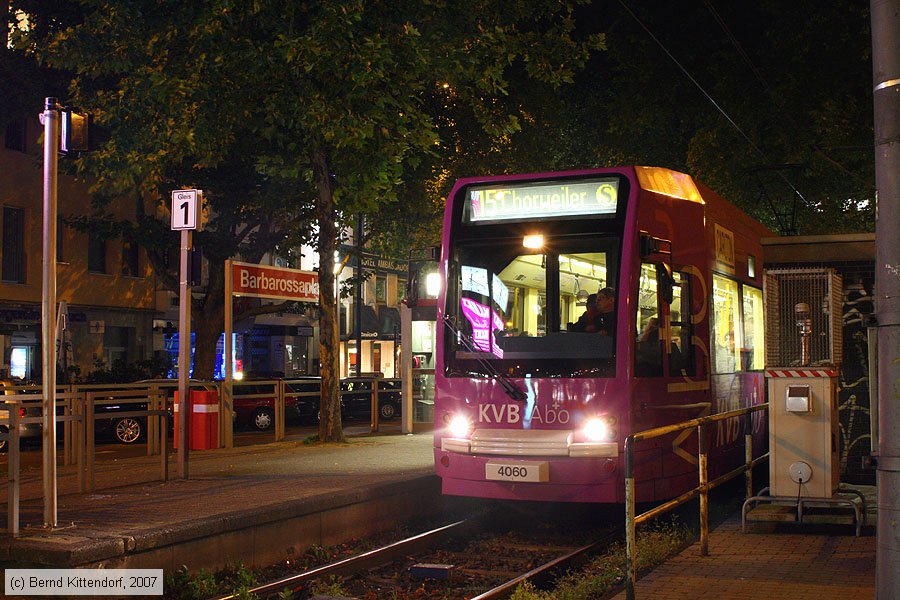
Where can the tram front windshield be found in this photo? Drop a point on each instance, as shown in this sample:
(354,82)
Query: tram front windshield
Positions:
(532,312)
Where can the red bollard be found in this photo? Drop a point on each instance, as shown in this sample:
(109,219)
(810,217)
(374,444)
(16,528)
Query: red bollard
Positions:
(203,425)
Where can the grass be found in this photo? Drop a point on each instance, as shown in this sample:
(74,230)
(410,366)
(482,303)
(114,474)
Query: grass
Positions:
(606,573)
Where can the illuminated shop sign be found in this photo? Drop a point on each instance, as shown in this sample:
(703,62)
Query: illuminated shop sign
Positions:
(542,200)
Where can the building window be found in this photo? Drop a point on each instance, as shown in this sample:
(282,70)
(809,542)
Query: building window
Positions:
(13,244)
(60,236)
(96,254)
(380,289)
(15,135)
(130,261)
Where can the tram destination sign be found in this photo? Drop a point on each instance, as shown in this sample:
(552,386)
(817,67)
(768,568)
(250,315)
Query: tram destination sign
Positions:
(542,200)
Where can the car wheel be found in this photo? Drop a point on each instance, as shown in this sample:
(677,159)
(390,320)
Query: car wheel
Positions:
(3,443)
(388,411)
(263,419)
(127,430)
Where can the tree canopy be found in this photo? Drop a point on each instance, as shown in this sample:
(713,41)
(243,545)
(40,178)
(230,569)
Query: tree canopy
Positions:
(286,108)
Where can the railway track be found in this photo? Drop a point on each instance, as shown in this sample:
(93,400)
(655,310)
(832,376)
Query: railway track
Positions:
(481,558)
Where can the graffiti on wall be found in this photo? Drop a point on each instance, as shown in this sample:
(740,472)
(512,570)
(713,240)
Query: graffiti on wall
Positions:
(853,399)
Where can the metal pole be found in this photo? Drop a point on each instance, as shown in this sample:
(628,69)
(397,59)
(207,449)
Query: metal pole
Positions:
(703,465)
(13,470)
(406,379)
(357,305)
(227,424)
(630,545)
(50,119)
(748,454)
(184,355)
(886,96)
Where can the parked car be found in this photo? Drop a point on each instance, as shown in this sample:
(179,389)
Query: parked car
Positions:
(10,387)
(306,407)
(356,398)
(254,402)
(131,429)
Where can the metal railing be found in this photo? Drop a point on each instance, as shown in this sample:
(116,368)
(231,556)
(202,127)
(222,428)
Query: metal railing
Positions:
(77,411)
(702,490)
(154,410)
(70,417)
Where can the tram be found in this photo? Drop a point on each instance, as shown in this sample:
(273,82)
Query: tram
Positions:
(580,307)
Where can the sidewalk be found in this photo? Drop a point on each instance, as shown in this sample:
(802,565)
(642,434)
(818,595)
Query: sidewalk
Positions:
(254,501)
(767,566)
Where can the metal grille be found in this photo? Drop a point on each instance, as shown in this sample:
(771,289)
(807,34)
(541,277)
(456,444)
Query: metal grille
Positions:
(785,291)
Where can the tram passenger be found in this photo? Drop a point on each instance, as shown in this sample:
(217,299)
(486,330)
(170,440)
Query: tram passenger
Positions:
(605,322)
(599,316)
(586,321)
(650,332)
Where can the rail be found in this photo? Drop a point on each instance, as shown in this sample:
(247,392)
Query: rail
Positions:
(632,520)
(362,561)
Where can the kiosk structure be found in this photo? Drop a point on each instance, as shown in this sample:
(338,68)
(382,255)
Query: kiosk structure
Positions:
(803,356)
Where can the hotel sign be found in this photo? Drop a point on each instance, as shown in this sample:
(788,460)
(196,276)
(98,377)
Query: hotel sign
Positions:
(274,282)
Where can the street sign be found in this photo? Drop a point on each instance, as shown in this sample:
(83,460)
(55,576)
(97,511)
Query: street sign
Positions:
(185,209)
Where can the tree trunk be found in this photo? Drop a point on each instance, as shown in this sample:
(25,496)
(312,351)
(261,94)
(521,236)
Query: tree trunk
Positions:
(330,427)
(209,322)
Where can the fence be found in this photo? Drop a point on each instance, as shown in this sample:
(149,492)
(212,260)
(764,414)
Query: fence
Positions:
(632,520)
(77,409)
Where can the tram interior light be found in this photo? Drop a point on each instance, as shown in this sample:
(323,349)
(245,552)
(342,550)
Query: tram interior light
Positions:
(533,241)
(433,284)
(459,426)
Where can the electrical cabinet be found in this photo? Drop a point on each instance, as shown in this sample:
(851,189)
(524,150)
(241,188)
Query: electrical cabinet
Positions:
(803,432)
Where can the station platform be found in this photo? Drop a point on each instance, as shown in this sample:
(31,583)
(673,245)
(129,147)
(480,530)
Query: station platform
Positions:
(260,504)
(255,505)
(770,562)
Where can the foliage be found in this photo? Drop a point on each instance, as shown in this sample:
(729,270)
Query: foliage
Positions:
(122,371)
(332,586)
(181,585)
(285,111)
(605,573)
(792,80)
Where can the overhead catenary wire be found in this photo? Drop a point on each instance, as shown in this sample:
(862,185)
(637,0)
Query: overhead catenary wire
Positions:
(709,97)
(771,93)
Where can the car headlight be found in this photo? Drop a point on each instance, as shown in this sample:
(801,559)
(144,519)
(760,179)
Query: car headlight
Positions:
(459,426)
(597,430)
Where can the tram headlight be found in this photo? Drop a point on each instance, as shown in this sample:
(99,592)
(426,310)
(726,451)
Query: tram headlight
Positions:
(459,426)
(597,430)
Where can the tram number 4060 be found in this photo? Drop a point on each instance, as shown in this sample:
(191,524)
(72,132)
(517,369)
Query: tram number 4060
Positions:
(536,471)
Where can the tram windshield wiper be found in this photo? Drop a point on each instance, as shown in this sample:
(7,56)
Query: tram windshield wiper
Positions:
(511,389)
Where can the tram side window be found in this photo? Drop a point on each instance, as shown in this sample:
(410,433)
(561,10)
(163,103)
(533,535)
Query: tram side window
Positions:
(753,350)
(726,331)
(681,355)
(647,349)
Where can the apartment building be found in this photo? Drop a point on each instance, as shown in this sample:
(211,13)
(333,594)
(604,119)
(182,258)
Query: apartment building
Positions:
(108,284)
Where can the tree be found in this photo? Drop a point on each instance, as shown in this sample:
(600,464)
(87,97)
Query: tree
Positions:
(792,80)
(174,119)
(357,80)
(329,103)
